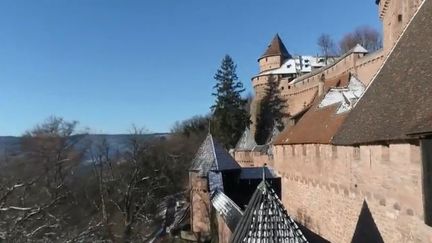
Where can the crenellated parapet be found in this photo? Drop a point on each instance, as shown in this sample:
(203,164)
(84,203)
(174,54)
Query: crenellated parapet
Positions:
(383,7)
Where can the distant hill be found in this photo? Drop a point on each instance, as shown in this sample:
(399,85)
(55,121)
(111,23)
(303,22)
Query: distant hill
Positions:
(11,146)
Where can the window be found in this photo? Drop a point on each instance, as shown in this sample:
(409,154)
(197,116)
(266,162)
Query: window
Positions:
(356,153)
(306,61)
(385,153)
(426,148)
(307,65)
(400,17)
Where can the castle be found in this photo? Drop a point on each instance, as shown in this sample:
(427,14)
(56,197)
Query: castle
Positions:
(354,162)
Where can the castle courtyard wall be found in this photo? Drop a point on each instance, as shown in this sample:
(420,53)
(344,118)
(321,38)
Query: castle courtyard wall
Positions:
(224,233)
(366,67)
(200,204)
(251,159)
(324,188)
(244,158)
(302,92)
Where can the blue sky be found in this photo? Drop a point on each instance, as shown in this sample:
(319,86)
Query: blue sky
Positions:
(113,63)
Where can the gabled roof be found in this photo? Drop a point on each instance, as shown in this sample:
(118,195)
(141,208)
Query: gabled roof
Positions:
(400,96)
(344,97)
(359,49)
(322,121)
(266,220)
(276,48)
(246,142)
(227,209)
(212,156)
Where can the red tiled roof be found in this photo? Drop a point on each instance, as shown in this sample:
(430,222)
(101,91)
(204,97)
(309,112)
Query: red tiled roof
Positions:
(276,48)
(318,125)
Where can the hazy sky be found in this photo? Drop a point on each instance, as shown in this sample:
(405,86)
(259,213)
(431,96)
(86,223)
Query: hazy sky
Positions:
(113,63)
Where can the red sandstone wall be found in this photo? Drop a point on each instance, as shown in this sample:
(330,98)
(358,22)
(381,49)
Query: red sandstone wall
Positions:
(200,204)
(244,158)
(368,66)
(251,159)
(224,233)
(324,187)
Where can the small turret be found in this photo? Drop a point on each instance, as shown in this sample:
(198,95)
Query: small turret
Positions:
(274,56)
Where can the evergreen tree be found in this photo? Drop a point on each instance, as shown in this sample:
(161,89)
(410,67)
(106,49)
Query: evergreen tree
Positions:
(270,111)
(230,117)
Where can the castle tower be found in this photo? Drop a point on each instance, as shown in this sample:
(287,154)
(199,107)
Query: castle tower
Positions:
(395,15)
(274,56)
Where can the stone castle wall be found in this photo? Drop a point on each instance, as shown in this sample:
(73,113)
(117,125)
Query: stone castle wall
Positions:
(395,15)
(301,92)
(268,63)
(251,159)
(224,233)
(324,187)
(200,204)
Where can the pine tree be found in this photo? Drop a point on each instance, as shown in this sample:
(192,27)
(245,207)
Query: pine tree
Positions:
(229,115)
(270,111)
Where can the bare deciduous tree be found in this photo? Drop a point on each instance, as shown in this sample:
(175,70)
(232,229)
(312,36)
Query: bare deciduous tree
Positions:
(327,46)
(366,36)
(65,187)
(36,195)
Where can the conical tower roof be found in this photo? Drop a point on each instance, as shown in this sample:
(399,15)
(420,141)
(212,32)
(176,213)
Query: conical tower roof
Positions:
(276,48)
(212,156)
(266,220)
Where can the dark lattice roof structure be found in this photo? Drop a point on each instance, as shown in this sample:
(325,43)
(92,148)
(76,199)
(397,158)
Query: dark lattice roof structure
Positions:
(212,156)
(266,220)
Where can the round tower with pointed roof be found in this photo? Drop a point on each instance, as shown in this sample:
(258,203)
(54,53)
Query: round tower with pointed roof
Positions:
(274,56)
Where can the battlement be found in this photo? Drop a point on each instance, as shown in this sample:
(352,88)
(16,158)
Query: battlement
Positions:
(383,7)
(330,183)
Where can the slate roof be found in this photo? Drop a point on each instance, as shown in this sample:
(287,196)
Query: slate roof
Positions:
(246,142)
(317,125)
(215,181)
(212,156)
(400,97)
(266,220)
(359,49)
(276,48)
(256,173)
(227,209)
